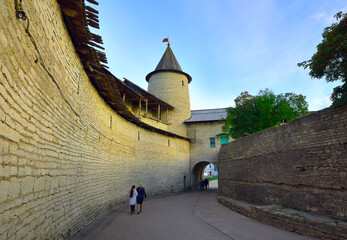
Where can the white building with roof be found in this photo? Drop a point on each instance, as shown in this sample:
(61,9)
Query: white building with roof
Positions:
(210,171)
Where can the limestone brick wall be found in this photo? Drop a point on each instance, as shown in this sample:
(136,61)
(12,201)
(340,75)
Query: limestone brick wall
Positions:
(201,154)
(302,164)
(154,122)
(66,156)
(200,149)
(168,87)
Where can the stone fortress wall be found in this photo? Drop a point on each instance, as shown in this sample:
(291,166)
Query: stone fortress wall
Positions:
(201,152)
(302,165)
(66,156)
(200,133)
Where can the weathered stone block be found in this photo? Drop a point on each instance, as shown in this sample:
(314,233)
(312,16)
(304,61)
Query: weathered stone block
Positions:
(39,184)
(5,171)
(4,186)
(27,185)
(14,188)
(8,133)
(13,171)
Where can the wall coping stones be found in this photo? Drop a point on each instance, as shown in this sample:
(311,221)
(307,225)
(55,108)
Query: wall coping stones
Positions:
(304,223)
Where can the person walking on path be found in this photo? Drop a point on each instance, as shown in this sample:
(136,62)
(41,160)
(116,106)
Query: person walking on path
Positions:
(141,194)
(206,183)
(132,194)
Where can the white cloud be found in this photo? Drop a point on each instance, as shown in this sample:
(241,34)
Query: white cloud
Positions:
(320,16)
(320,103)
(328,18)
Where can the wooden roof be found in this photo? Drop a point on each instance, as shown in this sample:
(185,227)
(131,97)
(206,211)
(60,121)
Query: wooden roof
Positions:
(78,18)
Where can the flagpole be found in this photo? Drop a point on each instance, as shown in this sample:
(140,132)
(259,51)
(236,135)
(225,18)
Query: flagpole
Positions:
(167,40)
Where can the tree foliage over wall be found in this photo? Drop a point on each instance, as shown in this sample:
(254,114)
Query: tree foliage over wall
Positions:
(255,113)
(330,60)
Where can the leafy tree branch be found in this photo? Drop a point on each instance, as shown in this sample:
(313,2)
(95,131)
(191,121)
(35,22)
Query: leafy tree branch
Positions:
(330,60)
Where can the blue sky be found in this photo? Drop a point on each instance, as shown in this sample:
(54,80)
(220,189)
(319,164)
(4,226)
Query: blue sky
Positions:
(227,46)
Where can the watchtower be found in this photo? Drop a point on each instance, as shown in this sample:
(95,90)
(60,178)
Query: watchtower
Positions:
(169,83)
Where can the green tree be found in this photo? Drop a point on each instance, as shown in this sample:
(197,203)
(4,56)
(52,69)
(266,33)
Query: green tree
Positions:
(245,110)
(330,60)
(255,113)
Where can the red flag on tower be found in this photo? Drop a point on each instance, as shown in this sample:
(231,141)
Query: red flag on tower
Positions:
(166,40)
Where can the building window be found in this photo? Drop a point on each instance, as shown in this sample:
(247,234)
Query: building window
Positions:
(223,137)
(182,83)
(138,136)
(212,142)
(168,142)
(223,140)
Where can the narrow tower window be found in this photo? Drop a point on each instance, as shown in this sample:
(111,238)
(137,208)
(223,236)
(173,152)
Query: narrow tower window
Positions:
(182,83)
(138,136)
(168,142)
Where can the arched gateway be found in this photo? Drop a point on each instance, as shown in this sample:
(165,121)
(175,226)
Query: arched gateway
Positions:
(204,128)
(198,173)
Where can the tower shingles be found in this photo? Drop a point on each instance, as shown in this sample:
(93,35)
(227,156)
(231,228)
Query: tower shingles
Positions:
(169,63)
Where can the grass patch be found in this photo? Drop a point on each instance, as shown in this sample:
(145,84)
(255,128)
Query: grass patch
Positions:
(299,216)
(212,178)
(338,219)
(295,208)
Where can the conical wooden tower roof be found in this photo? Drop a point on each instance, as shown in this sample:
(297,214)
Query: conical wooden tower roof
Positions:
(168,63)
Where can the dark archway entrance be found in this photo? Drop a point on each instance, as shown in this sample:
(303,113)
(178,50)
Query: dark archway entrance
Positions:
(198,173)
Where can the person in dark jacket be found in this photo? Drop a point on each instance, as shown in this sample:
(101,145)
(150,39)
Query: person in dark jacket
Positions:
(206,183)
(141,195)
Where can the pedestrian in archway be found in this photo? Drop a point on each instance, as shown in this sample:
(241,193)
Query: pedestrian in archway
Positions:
(206,183)
(141,194)
(132,201)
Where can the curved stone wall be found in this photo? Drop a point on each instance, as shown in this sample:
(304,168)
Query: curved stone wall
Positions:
(65,155)
(300,165)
